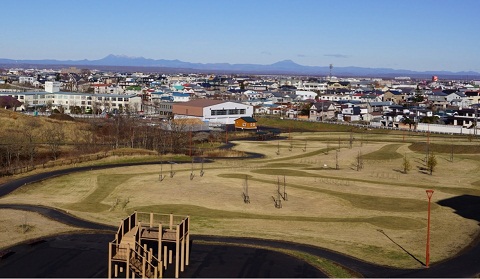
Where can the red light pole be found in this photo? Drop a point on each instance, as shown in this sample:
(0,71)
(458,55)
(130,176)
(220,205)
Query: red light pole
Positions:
(427,260)
(190,137)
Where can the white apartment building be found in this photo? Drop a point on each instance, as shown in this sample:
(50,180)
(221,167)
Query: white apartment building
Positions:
(105,102)
(67,101)
(313,86)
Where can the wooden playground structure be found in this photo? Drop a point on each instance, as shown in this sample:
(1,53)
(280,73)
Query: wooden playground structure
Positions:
(145,244)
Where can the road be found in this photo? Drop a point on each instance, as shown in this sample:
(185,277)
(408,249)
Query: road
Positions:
(466,264)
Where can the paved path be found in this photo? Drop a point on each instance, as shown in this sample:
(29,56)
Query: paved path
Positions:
(466,264)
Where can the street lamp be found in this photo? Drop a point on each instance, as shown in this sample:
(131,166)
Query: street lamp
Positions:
(429,195)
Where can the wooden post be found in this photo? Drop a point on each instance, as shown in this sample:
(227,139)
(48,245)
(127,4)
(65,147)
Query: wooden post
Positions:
(177,250)
(160,269)
(160,231)
(144,264)
(116,271)
(127,271)
(151,219)
(109,260)
(170,256)
(187,254)
(165,257)
(182,255)
(171,221)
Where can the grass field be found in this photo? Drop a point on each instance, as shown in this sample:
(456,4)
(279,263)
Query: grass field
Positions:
(19,226)
(378,214)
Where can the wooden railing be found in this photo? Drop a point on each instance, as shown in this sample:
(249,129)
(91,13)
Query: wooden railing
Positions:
(150,265)
(153,219)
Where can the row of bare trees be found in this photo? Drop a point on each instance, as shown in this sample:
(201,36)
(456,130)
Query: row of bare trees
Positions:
(35,143)
(20,146)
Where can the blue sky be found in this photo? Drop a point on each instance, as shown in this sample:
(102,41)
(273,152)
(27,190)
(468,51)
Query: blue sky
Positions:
(401,34)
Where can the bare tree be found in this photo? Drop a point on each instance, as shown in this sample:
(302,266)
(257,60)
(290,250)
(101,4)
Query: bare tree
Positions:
(29,135)
(54,137)
(178,135)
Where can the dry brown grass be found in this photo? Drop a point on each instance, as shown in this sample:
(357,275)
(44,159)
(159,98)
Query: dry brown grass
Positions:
(19,226)
(345,210)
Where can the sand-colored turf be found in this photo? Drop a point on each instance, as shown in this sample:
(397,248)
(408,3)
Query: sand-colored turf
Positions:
(19,226)
(377,213)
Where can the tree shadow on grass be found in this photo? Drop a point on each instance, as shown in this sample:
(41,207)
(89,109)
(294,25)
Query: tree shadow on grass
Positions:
(423,170)
(467,206)
(408,253)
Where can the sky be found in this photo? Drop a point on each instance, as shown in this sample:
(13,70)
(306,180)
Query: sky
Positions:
(419,35)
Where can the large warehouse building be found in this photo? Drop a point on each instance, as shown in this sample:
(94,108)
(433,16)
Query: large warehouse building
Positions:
(212,111)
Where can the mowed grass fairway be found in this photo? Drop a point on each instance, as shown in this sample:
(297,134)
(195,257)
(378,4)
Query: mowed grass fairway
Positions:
(378,214)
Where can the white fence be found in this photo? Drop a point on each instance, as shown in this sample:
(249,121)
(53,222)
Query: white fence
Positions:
(445,129)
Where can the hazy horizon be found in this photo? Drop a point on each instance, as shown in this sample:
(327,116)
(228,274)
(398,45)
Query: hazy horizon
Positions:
(412,35)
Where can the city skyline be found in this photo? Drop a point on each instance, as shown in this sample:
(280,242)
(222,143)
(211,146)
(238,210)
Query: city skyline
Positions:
(412,35)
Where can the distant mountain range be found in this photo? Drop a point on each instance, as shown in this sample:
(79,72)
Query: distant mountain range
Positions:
(119,62)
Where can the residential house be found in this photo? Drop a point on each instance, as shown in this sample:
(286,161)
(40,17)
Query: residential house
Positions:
(336,85)
(280,97)
(351,112)
(246,123)
(473,96)
(180,97)
(466,117)
(26,79)
(370,97)
(458,99)
(323,110)
(393,116)
(438,99)
(378,106)
(305,95)
(395,96)
(9,102)
(334,97)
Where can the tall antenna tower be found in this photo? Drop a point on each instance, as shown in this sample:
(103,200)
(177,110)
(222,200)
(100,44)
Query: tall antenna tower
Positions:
(331,67)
